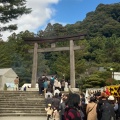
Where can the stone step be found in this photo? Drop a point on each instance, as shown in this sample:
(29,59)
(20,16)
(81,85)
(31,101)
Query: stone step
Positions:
(22,96)
(16,106)
(22,111)
(19,91)
(25,98)
(9,100)
(19,110)
(22,114)
(22,100)
(17,94)
(20,103)
(17,97)
(36,102)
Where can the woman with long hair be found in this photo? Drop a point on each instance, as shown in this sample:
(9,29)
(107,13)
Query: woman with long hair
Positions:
(72,107)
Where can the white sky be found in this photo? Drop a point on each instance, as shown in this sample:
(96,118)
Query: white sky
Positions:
(41,13)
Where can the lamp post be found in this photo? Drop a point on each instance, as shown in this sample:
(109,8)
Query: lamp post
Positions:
(112,70)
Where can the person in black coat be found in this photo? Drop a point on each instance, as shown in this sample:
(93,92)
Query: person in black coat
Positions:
(40,85)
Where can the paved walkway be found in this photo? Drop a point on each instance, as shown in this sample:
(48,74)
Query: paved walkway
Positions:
(23,118)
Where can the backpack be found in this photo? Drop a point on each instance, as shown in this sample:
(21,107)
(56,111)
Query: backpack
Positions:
(52,80)
(107,111)
(76,115)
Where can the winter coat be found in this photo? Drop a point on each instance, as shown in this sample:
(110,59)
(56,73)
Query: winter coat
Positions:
(49,110)
(91,111)
(55,103)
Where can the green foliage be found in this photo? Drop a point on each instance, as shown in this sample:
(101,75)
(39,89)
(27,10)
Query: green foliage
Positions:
(112,49)
(101,48)
(42,65)
(12,9)
(62,65)
(103,21)
(97,49)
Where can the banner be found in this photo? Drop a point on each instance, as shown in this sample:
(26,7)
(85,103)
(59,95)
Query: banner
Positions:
(90,92)
(114,90)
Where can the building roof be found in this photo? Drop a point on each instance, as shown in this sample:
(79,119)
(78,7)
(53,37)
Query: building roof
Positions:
(4,70)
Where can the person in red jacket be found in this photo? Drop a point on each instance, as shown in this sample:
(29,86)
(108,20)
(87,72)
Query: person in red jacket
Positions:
(107,92)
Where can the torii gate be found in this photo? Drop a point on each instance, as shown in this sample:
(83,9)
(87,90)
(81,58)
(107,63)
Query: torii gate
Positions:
(52,41)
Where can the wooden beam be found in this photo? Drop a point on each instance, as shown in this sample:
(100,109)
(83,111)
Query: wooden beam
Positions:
(55,49)
(53,39)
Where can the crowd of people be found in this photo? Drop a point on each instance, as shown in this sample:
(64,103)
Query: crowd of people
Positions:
(51,84)
(73,106)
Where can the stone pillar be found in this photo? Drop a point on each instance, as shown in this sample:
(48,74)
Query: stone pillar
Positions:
(72,64)
(34,69)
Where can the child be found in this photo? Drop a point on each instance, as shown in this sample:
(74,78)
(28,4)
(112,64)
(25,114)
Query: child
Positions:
(49,111)
(56,115)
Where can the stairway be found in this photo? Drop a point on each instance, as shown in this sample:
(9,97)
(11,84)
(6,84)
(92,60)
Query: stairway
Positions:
(21,103)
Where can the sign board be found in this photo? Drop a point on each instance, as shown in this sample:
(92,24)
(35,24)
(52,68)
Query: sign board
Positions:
(10,85)
(28,85)
(91,91)
(114,90)
(116,75)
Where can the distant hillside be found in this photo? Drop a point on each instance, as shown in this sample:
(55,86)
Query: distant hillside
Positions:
(104,21)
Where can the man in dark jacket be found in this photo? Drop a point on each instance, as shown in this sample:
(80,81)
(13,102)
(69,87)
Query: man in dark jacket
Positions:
(40,85)
(118,113)
(48,100)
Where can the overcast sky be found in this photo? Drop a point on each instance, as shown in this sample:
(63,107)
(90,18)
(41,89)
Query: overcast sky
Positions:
(54,11)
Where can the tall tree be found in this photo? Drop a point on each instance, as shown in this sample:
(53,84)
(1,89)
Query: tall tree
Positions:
(12,9)
(112,49)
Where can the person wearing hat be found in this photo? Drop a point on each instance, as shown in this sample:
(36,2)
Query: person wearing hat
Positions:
(105,108)
(49,111)
(101,99)
(111,100)
(114,105)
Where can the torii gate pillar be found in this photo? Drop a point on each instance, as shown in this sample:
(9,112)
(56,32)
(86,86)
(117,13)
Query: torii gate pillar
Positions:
(72,64)
(34,68)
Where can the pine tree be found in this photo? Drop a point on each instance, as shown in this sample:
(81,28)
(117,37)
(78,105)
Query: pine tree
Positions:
(12,9)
